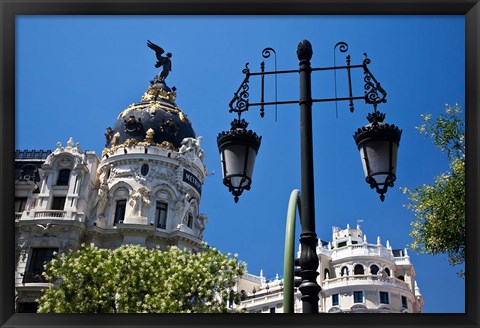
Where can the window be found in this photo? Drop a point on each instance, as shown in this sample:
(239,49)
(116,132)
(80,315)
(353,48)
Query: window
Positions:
(272,310)
(58,203)
(190,220)
(20,203)
(387,271)
(384,298)
(161,215)
(144,169)
(63,177)
(404,302)
(344,271)
(358,297)
(358,269)
(343,243)
(28,172)
(334,299)
(374,269)
(39,257)
(120,211)
(401,278)
(326,274)
(27,307)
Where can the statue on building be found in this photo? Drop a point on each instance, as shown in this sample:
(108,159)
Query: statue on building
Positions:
(139,199)
(200,224)
(162,61)
(182,206)
(102,199)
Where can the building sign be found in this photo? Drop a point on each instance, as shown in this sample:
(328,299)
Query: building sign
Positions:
(192,180)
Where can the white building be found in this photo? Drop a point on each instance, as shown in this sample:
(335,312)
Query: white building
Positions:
(145,189)
(355,276)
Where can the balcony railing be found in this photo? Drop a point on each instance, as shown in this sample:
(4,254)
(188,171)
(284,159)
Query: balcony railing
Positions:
(362,250)
(356,280)
(262,298)
(35,277)
(50,214)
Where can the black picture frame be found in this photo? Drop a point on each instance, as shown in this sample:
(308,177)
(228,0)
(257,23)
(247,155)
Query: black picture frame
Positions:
(11,8)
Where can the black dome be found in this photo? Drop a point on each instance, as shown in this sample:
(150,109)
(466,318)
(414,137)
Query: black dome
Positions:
(155,120)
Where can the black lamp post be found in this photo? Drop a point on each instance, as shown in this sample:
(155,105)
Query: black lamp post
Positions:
(377,142)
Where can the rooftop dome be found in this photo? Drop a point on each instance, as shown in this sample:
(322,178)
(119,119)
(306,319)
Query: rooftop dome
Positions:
(154,121)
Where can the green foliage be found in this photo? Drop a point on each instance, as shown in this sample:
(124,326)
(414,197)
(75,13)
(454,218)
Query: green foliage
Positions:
(134,279)
(440,207)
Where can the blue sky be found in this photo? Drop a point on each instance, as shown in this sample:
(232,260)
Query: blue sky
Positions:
(74,74)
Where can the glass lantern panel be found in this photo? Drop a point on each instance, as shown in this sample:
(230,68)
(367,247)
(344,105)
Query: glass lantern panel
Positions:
(378,155)
(234,157)
(252,154)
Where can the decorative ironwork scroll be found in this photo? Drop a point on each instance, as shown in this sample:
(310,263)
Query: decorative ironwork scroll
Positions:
(239,102)
(343,47)
(266,54)
(372,86)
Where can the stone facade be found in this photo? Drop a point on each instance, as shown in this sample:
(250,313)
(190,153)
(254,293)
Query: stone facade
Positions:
(144,191)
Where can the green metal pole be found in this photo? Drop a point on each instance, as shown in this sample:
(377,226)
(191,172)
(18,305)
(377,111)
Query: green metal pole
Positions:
(288,260)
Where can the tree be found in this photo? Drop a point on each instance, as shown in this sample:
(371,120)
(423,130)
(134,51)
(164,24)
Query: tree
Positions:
(440,207)
(134,279)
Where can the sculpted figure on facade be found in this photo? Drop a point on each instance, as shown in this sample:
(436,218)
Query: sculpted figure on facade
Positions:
(139,199)
(382,275)
(200,224)
(182,206)
(193,145)
(102,199)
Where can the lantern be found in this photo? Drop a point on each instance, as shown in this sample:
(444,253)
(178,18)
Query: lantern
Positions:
(378,145)
(238,149)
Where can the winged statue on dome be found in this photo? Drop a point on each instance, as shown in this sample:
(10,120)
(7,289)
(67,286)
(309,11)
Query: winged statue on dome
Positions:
(162,61)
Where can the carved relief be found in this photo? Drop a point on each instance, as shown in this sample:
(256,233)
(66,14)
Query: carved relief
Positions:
(139,200)
(65,162)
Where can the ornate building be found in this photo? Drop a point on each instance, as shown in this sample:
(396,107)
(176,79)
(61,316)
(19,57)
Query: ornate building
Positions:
(355,276)
(145,189)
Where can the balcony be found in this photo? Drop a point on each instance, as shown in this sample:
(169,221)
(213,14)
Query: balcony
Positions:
(362,250)
(33,277)
(357,280)
(55,214)
(263,298)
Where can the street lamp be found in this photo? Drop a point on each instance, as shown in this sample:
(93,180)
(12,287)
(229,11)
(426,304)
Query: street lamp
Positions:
(378,145)
(238,148)
(377,142)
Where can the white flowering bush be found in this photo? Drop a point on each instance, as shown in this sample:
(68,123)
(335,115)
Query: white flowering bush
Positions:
(440,207)
(134,279)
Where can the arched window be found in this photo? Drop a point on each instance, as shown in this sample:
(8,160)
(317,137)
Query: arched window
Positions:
(401,278)
(326,274)
(344,271)
(358,269)
(387,271)
(63,177)
(161,215)
(374,269)
(144,169)
(190,220)
(120,207)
